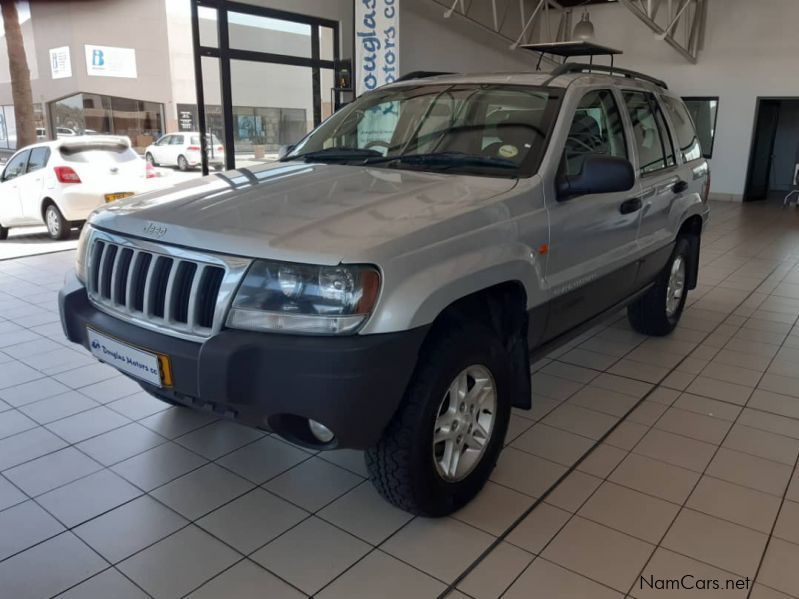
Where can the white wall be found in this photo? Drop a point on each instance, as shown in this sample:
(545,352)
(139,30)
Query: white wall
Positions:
(750,50)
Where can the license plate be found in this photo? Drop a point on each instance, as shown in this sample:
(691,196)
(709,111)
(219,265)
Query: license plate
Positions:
(113,197)
(148,366)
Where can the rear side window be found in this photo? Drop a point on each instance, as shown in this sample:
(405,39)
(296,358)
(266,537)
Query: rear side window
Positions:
(652,138)
(38,159)
(177,140)
(687,140)
(596,129)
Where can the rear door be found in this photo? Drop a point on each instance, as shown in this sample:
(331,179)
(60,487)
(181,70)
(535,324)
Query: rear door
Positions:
(10,197)
(32,183)
(591,258)
(660,174)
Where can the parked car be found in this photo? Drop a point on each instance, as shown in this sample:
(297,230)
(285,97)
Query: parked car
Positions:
(59,183)
(183,151)
(388,283)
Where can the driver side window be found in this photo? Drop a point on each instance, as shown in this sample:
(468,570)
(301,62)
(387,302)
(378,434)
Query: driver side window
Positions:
(164,140)
(597,128)
(16,166)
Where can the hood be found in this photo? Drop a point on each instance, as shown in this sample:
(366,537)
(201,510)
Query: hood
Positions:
(316,213)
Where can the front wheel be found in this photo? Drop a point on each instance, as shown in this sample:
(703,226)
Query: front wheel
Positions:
(150,159)
(658,311)
(444,440)
(57,226)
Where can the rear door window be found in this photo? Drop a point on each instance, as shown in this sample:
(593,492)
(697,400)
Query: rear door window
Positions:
(38,159)
(177,140)
(652,137)
(596,129)
(687,139)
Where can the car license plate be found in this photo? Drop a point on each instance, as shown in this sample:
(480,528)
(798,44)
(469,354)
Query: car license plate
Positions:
(113,197)
(148,366)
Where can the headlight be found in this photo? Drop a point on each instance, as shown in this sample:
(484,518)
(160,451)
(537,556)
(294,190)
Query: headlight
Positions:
(302,298)
(82,249)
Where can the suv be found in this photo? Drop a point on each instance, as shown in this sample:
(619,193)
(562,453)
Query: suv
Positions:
(386,285)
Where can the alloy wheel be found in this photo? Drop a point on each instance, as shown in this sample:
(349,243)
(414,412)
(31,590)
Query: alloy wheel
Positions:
(676,286)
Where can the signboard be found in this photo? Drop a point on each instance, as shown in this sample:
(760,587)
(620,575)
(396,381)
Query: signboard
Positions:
(186,120)
(376,43)
(60,63)
(108,61)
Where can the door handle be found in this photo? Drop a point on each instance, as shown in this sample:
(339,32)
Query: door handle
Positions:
(679,186)
(630,206)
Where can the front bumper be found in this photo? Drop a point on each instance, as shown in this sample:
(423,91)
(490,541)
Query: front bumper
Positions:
(351,384)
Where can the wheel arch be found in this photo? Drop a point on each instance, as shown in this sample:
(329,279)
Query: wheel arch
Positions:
(46,201)
(691,229)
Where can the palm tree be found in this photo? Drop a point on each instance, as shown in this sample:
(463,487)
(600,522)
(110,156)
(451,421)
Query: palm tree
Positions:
(20,75)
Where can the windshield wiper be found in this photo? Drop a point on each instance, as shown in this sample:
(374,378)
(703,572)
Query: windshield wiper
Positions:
(337,154)
(444,160)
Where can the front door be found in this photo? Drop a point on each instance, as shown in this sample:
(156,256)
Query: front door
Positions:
(591,258)
(31,184)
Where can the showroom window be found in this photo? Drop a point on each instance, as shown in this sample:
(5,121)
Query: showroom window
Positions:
(655,151)
(91,114)
(704,112)
(684,129)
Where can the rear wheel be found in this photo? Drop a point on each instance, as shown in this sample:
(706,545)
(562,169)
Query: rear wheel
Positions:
(57,226)
(444,441)
(3,233)
(658,311)
(183,164)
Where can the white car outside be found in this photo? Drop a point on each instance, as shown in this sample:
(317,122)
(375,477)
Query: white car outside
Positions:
(183,151)
(60,182)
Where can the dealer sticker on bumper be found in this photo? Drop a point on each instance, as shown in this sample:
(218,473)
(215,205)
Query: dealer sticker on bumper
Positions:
(135,362)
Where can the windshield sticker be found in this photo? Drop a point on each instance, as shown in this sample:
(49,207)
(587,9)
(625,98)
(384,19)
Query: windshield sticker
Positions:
(508,151)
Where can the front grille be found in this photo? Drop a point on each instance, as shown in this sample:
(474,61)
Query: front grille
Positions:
(168,290)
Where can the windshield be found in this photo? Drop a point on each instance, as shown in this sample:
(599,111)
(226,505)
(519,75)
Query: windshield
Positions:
(497,130)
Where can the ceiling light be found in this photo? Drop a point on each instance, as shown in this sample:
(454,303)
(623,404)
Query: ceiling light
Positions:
(584,30)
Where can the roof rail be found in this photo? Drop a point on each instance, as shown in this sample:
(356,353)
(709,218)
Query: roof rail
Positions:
(576,67)
(421,75)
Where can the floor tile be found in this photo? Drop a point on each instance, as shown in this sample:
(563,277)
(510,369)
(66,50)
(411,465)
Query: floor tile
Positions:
(526,473)
(735,503)
(9,494)
(763,444)
(13,422)
(779,569)
(201,491)
(602,460)
(553,444)
(349,459)
(263,460)
(581,421)
(774,423)
(252,520)
(656,478)
(380,575)
(641,516)
(176,421)
(218,438)
(179,563)
(158,466)
(58,407)
(627,435)
(721,390)
(48,568)
(750,471)
(25,525)
(120,444)
(365,514)
(787,527)
(137,406)
(441,547)
(88,497)
(707,406)
(20,395)
(27,446)
(313,484)
(112,389)
(697,426)
(131,527)
(546,579)
(538,528)
(676,449)
(716,542)
(573,491)
(496,572)
(105,585)
(599,553)
(74,429)
(52,470)
(311,554)
(246,580)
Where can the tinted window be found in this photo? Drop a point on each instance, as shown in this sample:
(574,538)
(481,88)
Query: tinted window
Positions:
(16,166)
(687,140)
(38,159)
(651,135)
(596,129)
(704,112)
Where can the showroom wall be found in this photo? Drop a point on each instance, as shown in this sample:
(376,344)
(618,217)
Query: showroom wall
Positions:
(750,50)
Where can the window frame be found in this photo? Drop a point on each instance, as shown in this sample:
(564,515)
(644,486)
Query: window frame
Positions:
(655,107)
(47,155)
(26,152)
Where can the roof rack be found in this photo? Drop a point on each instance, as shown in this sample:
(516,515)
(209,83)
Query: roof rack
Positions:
(571,49)
(576,67)
(420,75)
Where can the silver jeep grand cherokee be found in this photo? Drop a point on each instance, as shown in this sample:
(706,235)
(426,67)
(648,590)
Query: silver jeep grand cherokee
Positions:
(386,285)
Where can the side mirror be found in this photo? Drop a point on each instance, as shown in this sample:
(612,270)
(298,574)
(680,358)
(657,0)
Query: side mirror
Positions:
(599,174)
(284,151)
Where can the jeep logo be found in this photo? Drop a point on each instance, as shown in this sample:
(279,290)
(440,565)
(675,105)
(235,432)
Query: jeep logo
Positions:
(154,230)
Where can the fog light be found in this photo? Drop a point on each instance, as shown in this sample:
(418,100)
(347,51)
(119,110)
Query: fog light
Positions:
(320,431)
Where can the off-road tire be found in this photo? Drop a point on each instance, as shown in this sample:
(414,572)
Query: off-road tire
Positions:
(648,315)
(401,465)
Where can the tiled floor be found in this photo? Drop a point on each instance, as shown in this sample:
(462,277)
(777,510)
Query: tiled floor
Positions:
(643,459)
